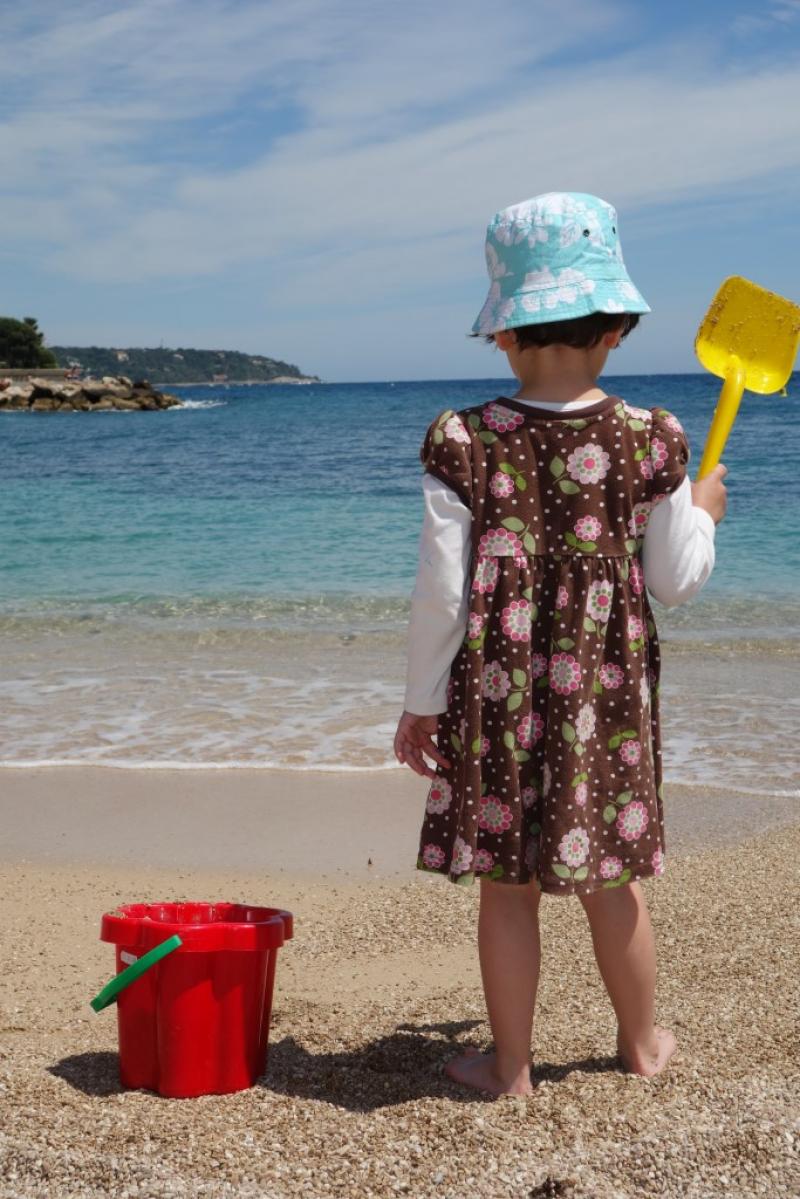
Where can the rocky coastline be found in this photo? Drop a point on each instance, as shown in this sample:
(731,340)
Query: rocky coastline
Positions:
(83,395)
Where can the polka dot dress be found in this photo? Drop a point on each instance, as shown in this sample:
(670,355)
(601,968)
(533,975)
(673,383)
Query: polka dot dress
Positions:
(552,722)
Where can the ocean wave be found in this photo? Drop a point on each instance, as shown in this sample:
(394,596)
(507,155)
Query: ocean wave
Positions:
(170,764)
(189,405)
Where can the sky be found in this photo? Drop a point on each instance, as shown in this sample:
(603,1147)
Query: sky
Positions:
(312,180)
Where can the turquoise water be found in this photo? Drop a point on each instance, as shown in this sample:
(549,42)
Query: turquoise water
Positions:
(170,579)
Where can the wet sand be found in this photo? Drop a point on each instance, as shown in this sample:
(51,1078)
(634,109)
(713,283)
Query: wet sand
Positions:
(378,989)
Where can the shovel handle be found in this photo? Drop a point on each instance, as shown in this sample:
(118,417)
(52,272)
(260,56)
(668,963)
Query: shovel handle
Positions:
(724,416)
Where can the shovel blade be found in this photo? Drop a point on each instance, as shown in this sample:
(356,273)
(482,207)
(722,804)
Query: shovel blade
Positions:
(748,325)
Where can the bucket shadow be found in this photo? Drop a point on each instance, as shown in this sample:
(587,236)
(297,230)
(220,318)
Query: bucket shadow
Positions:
(405,1065)
(95,1074)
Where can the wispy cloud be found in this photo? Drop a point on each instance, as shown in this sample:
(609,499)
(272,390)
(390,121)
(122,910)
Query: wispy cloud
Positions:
(348,155)
(766,17)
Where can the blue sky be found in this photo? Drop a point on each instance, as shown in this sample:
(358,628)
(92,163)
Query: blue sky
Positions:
(312,179)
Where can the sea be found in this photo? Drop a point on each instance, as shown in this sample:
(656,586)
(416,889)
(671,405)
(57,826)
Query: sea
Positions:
(226,584)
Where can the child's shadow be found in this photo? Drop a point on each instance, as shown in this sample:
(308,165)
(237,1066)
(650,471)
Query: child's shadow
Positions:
(404,1065)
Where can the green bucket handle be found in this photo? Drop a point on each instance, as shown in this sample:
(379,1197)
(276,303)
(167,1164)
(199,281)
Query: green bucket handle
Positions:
(112,990)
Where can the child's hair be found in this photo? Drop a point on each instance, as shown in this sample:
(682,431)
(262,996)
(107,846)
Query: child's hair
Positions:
(582,332)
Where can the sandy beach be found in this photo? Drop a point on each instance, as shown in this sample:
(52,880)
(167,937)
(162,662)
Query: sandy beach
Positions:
(378,988)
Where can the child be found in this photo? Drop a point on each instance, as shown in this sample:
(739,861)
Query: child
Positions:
(533,657)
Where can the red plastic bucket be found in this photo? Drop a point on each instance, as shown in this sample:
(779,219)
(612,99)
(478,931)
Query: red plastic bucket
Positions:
(197,1022)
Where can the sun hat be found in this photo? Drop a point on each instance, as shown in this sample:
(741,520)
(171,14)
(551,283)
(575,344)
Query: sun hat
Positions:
(554,258)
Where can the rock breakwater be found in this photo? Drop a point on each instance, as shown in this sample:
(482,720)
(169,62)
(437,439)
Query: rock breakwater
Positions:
(83,395)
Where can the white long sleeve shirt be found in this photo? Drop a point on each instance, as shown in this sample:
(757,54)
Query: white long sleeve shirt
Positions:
(677,559)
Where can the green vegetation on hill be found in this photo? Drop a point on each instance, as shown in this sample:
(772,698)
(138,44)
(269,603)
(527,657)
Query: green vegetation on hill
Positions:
(164,365)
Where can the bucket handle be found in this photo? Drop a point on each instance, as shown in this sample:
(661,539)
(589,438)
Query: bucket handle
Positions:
(112,990)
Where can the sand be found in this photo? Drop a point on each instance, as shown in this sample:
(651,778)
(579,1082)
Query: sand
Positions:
(378,989)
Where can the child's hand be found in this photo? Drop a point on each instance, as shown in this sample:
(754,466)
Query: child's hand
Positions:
(414,737)
(710,493)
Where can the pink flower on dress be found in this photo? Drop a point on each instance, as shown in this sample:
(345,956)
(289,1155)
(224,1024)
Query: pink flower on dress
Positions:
(646,468)
(530,730)
(487,571)
(484,861)
(636,413)
(439,796)
(547,778)
(636,577)
(599,598)
(630,752)
(635,627)
(657,860)
(632,820)
(494,815)
(454,429)
(581,795)
(639,518)
(611,675)
(562,598)
(658,453)
(528,797)
(573,848)
(501,419)
(671,422)
(502,543)
(485,746)
(501,485)
(538,665)
(462,856)
(495,681)
(516,620)
(433,857)
(644,690)
(611,867)
(565,673)
(474,626)
(588,528)
(585,722)
(588,463)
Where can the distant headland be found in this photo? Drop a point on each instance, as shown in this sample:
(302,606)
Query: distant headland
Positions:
(180,366)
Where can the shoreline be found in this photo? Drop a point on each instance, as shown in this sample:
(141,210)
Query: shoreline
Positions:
(309,824)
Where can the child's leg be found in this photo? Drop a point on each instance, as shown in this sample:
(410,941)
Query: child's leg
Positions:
(626,955)
(509,948)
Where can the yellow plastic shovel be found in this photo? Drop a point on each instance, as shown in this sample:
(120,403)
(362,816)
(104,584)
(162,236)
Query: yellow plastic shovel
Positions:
(749,338)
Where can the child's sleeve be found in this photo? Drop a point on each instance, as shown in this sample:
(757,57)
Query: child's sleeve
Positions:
(439,602)
(447,454)
(678,551)
(669,454)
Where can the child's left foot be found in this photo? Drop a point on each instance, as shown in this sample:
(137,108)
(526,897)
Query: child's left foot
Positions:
(479,1070)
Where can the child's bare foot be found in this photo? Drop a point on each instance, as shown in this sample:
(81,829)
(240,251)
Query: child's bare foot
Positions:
(649,1060)
(479,1070)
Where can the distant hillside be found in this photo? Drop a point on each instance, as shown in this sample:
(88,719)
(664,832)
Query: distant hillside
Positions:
(176,366)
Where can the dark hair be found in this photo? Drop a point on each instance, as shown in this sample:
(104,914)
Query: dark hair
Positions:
(581,333)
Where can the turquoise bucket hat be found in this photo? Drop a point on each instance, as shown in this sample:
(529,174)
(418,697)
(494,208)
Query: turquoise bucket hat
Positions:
(554,258)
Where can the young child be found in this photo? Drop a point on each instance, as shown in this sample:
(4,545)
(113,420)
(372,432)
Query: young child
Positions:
(533,658)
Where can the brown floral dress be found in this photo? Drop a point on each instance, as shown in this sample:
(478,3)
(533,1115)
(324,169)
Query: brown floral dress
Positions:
(552,723)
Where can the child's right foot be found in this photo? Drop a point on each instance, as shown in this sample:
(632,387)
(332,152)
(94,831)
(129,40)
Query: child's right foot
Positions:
(479,1070)
(651,1060)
